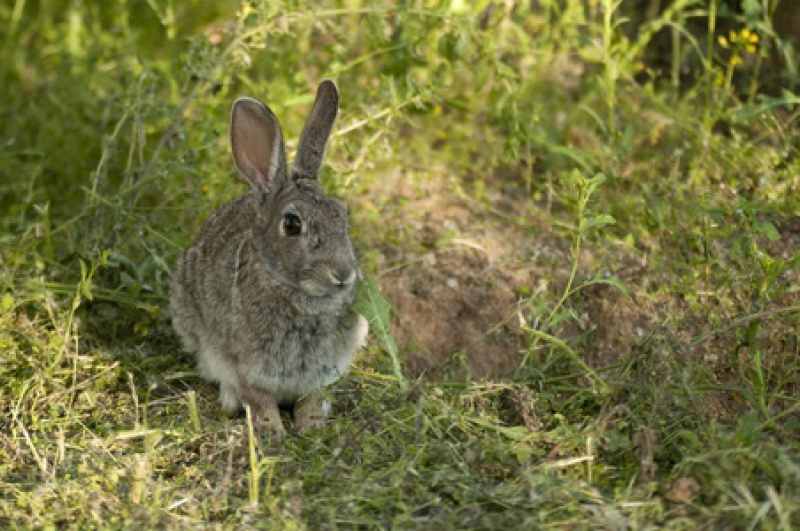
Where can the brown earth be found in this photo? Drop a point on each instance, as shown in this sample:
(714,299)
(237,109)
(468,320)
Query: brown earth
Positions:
(464,278)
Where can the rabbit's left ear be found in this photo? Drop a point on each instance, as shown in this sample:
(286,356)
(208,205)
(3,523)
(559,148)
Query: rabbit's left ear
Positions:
(314,139)
(257,144)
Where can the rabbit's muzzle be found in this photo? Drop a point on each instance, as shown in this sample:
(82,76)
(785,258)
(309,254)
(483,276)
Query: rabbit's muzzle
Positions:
(333,281)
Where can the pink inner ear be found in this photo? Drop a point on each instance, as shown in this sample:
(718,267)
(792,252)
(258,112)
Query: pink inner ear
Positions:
(256,143)
(253,173)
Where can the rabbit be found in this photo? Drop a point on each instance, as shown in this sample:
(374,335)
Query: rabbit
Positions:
(264,297)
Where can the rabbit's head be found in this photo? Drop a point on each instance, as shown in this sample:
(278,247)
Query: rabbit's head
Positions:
(301,233)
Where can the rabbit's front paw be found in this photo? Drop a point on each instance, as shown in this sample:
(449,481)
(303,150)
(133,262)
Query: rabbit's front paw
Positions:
(361,332)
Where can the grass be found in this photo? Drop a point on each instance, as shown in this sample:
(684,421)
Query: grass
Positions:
(579,221)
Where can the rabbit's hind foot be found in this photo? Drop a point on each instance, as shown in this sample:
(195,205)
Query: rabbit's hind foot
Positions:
(310,412)
(265,413)
(229,399)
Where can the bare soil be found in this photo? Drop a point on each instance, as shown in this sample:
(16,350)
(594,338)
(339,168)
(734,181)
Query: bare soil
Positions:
(460,275)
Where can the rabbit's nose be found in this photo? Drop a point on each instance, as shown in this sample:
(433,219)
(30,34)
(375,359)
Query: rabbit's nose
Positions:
(342,278)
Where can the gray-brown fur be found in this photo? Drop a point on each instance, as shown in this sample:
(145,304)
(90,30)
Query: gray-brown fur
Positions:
(265,303)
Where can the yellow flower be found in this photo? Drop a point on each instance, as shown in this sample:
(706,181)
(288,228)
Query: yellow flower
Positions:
(722,41)
(733,36)
(746,33)
(735,60)
(753,38)
(751,48)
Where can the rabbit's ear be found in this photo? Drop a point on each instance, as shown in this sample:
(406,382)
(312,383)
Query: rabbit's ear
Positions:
(316,132)
(257,144)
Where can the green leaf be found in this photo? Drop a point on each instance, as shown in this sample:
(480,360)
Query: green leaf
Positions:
(515,433)
(599,179)
(612,281)
(585,159)
(752,11)
(749,113)
(601,220)
(768,229)
(747,430)
(377,310)
(8,302)
(595,182)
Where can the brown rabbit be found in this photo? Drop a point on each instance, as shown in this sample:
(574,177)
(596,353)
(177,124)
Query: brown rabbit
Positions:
(264,297)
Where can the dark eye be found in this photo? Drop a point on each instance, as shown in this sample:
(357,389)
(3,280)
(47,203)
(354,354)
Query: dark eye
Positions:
(292,226)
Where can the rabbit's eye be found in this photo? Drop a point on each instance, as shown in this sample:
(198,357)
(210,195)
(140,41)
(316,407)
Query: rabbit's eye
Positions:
(292,226)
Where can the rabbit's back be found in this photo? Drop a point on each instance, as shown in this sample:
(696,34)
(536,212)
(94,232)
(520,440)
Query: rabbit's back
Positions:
(200,294)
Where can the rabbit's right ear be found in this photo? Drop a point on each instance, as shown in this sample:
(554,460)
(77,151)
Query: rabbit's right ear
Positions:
(314,139)
(257,144)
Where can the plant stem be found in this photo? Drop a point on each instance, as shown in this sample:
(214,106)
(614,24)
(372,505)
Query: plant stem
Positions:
(608,12)
(604,389)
